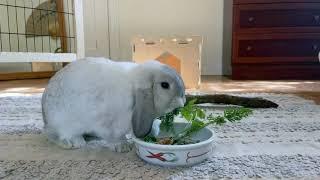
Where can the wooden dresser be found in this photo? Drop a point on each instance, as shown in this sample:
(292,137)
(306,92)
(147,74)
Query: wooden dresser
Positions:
(276,39)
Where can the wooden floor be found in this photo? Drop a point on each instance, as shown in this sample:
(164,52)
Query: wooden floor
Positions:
(306,89)
(23,86)
(213,84)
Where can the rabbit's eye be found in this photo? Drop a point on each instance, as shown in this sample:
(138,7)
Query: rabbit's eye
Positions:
(165,85)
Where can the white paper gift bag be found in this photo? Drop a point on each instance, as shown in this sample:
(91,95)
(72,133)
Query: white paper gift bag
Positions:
(181,53)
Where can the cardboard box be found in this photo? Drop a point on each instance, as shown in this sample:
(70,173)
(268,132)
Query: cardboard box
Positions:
(181,53)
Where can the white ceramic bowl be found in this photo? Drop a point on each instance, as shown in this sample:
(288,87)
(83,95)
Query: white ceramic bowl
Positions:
(177,155)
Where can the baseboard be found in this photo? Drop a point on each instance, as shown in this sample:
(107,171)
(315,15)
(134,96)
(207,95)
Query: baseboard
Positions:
(26,75)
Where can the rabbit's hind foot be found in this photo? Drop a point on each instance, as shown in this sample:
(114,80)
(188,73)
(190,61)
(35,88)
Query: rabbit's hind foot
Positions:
(122,147)
(73,142)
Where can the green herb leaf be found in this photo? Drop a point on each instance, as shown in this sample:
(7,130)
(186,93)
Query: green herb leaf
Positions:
(188,112)
(167,120)
(201,113)
(220,120)
(236,114)
(197,120)
(186,115)
(192,102)
(150,138)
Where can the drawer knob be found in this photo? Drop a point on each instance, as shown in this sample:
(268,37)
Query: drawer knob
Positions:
(249,48)
(251,19)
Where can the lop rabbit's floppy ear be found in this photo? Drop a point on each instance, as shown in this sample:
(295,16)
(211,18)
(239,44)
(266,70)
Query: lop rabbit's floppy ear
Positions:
(143,112)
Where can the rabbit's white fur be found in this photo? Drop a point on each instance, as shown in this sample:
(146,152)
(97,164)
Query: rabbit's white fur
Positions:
(106,99)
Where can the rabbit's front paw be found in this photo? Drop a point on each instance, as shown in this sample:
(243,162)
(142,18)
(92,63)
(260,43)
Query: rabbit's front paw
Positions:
(122,147)
(72,143)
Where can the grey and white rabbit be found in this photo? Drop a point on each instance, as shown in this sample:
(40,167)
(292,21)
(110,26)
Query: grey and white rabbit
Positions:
(108,100)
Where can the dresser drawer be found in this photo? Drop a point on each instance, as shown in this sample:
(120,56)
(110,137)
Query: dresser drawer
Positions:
(271,1)
(277,48)
(275,72)
(275,17)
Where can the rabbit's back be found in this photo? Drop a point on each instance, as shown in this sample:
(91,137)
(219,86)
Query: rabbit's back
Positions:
(87,94)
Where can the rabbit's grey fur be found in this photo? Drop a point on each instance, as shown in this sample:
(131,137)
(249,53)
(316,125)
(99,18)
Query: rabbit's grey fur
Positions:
(109,100)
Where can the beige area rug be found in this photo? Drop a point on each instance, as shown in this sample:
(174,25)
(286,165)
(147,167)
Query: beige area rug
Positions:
(272,143)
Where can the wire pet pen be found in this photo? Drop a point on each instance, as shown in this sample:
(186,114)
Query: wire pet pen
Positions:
(33,31)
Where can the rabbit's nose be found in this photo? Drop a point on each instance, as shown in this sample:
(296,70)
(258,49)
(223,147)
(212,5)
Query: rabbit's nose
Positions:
(184,100)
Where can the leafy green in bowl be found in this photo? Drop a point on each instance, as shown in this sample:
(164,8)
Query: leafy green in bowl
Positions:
(197,119)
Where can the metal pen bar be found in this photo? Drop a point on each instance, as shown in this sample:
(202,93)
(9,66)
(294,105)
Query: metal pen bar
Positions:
(15,6)
(8,26)
(0,38)
(49,28)
(36,35)
(68,26)
(55,27)
(18,38)
(25,24)
(34,30)
(41,28)
(73,24)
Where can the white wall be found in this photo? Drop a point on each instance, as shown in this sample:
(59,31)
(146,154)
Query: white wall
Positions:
(174,17)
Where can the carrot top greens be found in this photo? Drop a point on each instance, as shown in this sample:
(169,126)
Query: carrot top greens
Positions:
(197,120)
